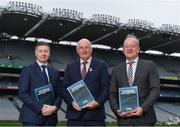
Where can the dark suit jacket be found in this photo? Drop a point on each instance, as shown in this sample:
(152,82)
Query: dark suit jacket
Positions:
(97,81)
(147,80)
(31,78)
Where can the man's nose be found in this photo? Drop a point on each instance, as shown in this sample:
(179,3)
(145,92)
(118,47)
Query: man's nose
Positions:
(84,50)
(44,52)
(129,48)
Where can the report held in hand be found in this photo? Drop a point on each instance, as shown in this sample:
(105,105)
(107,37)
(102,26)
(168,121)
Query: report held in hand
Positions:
(80,93)
(128,98)
(44,94)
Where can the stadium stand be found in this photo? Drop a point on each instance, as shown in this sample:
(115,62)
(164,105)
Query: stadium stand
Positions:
(168,112)
(61,55)
(25,20)
(111,57)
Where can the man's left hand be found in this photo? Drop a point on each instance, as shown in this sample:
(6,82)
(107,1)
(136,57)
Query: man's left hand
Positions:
(92,105)
(136,112)
(48,110)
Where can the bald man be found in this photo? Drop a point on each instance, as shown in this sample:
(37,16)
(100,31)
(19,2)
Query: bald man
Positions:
(97,81)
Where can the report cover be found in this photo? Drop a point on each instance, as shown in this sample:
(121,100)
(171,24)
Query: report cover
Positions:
(128,98)
(44,94)
(80,93)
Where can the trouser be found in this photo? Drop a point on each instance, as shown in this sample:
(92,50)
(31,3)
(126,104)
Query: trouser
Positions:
(45,123)
(86,123)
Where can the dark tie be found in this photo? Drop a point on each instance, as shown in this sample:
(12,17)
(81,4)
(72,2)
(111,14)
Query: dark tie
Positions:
(130,73)
(83,72)
(44,73)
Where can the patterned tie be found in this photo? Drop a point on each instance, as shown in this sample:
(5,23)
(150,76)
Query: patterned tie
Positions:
(130,73)
(83,72)
(44,73)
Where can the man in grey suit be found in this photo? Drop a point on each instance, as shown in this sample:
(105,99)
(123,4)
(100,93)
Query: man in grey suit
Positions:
(145,77)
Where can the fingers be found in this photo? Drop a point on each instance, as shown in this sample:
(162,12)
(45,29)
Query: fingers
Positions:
(75,106)
(124,114)
(136,112)
(92,105)
(48,110)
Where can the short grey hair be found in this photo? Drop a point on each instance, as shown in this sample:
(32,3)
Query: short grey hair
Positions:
(133,37)
(85,40)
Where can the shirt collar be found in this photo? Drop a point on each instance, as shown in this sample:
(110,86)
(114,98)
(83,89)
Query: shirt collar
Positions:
(89,60)
(40,64)
(135,60)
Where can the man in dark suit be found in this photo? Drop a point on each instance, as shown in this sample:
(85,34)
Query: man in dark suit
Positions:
(97,82)
(34,113)
(144,76)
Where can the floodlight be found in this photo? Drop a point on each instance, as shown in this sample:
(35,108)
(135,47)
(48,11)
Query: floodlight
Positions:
(140,24)
(101,18)
(170,28)
(24,7)
(66,13)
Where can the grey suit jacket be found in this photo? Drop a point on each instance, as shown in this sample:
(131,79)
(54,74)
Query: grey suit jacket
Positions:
(147,80)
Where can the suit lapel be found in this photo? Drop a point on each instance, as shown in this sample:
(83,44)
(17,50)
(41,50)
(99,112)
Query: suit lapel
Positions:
(138,70)
(91,67)
(124,69)
(78,69)
(38,72)
(50,73)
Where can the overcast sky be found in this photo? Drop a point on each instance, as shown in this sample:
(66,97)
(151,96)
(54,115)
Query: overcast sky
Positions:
(157,11)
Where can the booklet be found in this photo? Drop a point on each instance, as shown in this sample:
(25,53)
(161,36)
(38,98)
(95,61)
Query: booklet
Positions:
(80,93)
(45,94)
(128,98)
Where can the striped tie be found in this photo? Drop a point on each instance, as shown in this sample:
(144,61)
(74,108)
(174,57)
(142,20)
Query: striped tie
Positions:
(130,73)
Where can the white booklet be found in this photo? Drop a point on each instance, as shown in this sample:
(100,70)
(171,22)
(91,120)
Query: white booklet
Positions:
(80,93)
(128,98)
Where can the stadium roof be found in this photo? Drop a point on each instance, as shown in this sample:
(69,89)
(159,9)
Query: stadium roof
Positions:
(27,20)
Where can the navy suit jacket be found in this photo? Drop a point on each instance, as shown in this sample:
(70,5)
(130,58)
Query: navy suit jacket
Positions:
(31,78)
(97,80)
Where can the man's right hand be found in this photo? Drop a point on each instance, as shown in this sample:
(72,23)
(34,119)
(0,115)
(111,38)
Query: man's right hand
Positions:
(123,114)
(75,106)
(48,110)
(136,112)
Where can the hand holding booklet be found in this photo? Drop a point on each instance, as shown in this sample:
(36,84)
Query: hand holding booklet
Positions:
(44,94)
(128,98)
(80,93)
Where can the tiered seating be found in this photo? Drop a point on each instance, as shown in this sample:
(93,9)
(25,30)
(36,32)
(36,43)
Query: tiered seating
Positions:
(22,52)
(62,55)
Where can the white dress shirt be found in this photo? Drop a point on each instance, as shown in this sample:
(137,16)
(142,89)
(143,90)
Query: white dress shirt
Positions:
(134,65)
(87,65)
(46,70)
